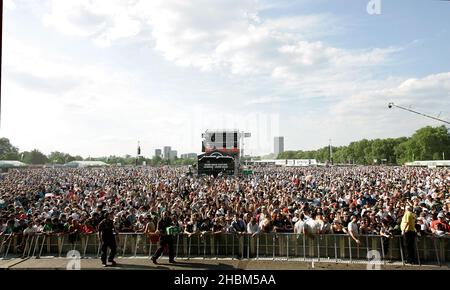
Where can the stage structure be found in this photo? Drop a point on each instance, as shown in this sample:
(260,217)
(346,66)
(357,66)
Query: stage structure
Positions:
(222,150)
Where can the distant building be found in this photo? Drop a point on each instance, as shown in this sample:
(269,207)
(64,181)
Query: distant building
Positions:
(429,164)
(279,145)
(173,154)
(158,153)
(167,151)
(189,156)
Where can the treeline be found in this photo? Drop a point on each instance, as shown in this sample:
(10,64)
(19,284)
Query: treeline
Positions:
(429,143)
(155,161)
(36,157)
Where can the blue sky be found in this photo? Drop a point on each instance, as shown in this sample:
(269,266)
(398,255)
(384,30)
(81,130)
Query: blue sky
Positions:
(93,77)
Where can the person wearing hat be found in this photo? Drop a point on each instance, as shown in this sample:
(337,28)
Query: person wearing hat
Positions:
(439,221)
(408,227)
(106,230)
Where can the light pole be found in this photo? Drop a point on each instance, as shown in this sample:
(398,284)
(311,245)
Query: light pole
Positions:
(331,153)
(138,153)
(392,105)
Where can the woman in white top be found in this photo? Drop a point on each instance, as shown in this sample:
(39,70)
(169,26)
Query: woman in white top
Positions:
(253,227)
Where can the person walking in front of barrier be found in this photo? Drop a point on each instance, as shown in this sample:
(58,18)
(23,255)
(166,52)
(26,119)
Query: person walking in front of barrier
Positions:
(408,227)
(166,239)
(106,230)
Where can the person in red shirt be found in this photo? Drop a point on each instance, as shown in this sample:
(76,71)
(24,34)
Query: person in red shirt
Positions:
(87,227)
(439,220)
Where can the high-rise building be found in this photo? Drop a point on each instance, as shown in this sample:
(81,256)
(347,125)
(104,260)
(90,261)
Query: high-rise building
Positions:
(189,156)
(158,153)
(279,145)
(167,151)
(173,154)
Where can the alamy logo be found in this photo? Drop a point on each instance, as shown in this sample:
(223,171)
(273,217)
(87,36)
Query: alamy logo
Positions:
(75,261)
(374,7)
(374,258)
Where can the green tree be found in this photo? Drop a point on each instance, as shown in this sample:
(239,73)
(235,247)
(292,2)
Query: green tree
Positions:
(429,143)
(156,161)
(69,158)
(287,155)
(339,155)
(59,158)
(77,158)
(426,144)
(35,157)
(8,151)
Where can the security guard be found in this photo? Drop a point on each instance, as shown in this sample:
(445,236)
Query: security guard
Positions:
(106,231)
(165,238)
(408,227)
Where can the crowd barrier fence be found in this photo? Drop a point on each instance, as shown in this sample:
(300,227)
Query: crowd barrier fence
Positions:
(288,246)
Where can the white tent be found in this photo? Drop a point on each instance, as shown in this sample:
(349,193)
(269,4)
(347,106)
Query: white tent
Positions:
(430,164)
(86,164)
(12,164)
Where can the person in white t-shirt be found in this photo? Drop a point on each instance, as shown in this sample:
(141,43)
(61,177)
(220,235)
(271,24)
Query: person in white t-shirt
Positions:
(253,227)
(264,214)
(299,227)
(313,226)
(353,229)
(31,229)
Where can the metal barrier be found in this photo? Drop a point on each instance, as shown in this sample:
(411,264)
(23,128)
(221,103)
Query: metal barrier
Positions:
(337,248)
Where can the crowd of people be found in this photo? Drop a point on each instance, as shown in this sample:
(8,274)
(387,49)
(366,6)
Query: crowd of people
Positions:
(353,201)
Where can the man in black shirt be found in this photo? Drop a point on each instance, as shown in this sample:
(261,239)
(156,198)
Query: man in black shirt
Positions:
(106,231)
(165,239)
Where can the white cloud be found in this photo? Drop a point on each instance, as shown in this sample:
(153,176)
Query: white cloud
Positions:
(9,4)
(69,105)
(105,21)
(366,113)
(267,60)
(430,92)
(213,34)
(102,110)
